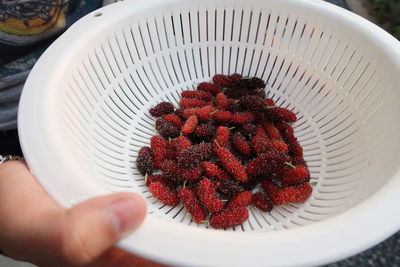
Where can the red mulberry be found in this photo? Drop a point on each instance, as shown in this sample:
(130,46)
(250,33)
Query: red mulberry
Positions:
(162,109)
(174,119)
(223,116)
(221,138)
(222,175)
(164,194)
(197,94)
(190,125)
(261,142)
(298,193)
(192,204)
(206,192)
(280,114)
(221,101)
(266,163)
(208,87)
(205,131)
(295,176)
(271,130)
(222,80)
(243,117)
(231,164)
(280,146)
(209,168)
(181,143)
(205,113)
(191,103)
(244,198)
(190,174)
(170,154)
(161,179)
(157,144)
(229,217)
(144,161)
(241,145)
(284,128)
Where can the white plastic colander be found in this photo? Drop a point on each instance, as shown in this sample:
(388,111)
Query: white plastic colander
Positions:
(84,116)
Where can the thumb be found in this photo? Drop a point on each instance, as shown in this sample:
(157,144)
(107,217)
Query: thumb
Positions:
(92,227)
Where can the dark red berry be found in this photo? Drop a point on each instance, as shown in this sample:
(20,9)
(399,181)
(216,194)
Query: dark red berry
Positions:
(144,161)
(241,145)
(166,129)
(205,131)
(162,109)
(208,87)
(192,156)
(228,187)
(280,114)
(267,162)
(248,130)
(253,103)
(263,202)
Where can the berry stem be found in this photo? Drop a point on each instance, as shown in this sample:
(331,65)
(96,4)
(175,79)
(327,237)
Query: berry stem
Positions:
(184,184)
(230,129)
(237,101)
(246,78)
(313,183)
(215,141)
(169,140)
(290,165)
(259,90)
(145,178)
(271,107)
(215,111)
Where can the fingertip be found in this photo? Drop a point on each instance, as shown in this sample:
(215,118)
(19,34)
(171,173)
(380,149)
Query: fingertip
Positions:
(127,212)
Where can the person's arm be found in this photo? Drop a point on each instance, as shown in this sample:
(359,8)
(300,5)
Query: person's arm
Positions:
(34,228)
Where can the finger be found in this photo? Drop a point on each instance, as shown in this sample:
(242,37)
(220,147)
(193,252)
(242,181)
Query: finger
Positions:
(76,236)
(93,226)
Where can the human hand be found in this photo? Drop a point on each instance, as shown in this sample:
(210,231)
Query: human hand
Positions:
(34,228)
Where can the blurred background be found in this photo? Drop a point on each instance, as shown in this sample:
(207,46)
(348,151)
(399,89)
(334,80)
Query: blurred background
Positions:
(19,52)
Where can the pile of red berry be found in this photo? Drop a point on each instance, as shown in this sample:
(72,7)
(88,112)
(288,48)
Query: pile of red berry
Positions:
(225,139)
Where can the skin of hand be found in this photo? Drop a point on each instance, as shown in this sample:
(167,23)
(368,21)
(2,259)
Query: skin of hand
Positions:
(34,228)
